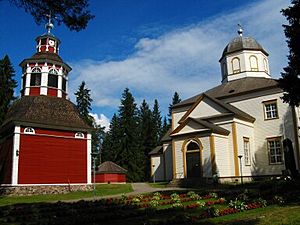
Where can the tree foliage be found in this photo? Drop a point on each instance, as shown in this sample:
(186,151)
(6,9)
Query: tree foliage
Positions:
(7,85)
(73,13)
(84,100)
(290,81)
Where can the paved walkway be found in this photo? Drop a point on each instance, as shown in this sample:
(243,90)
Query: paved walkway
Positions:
(138,188)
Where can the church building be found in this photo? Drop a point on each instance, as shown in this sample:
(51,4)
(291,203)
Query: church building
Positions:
(239,128)
(43,139)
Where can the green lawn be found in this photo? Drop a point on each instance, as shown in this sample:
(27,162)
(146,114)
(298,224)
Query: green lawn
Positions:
(271,215)
(101,190)
(159,184)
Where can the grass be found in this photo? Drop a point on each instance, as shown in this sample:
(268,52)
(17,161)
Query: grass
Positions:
(159,184)
(271,215)
(101,190)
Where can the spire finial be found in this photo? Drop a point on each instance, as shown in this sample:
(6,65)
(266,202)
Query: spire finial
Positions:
(240,30)
(49,26)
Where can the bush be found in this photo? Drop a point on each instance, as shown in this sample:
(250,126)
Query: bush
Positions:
(213,211)
(237,204)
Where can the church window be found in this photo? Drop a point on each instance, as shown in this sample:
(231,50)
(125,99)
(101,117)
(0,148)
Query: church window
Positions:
(23,81)
(53,78)
(247,152)
(271,111)
(35,79)
(29,130)
(192,146)
(253,63)
(275,150)
(266,65)
(43,41)
(236,66)
(79,135)
(64,84)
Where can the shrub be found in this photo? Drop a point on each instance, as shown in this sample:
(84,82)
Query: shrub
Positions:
(278,200)
(193,195)
(200,204)
(213,211)
(262,202)
(213,195)
(237,204)
(153,203)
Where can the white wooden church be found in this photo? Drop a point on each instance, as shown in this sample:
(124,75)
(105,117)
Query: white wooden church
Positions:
(241,127)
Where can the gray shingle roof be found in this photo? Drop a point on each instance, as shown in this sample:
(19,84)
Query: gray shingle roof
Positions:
(110,167)
(156,150)
(235,88)
(46,111)
(242,43)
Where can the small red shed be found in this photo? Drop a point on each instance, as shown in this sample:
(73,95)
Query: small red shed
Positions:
(109,172)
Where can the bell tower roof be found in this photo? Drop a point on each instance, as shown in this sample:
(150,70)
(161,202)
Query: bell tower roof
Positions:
(244,57)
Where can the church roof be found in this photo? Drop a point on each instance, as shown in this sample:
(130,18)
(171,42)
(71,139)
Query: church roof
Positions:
(167,137)
(156,150)
(45,56)
(46,112)
(110,167)
(214,128)
(242,43)
(235,88)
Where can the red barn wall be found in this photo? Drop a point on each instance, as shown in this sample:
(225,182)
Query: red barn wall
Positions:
(110,178)
(6,149)
(55,159)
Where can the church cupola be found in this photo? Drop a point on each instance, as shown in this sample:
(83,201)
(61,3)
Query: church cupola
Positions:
(45,73)
(244,57)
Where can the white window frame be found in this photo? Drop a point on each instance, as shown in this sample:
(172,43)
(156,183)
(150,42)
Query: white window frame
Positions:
(275,150)
(271,110)
(29,130)
(79,135)
(247,156)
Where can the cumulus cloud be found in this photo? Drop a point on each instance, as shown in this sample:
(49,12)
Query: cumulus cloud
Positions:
(101,120)
(183,60)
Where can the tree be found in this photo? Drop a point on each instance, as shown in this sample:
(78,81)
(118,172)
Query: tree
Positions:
(83,100)
(130,156)
(290,81)
(7,85)
(156,122)
(73,13)
(175,100)
(165,127)
(111,147)
(147,137)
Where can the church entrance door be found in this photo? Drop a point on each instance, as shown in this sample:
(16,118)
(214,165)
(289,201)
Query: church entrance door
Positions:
(193,160)
(193,165)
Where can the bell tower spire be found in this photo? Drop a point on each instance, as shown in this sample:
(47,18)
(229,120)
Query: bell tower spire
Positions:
(45,73)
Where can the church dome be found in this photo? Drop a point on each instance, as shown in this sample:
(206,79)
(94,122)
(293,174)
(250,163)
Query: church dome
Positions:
(241,43)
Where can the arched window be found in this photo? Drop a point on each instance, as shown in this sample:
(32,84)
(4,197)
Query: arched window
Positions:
(253,63)
(53,78)
(79,135)
(266,66)
(35,79)
(236,66)
(192,146)
(29,130)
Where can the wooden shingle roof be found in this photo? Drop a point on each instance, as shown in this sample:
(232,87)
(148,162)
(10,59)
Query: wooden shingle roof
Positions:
(110,167)
(45,112)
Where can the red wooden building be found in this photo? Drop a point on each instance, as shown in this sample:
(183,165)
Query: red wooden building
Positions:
(43,139)
(109,172)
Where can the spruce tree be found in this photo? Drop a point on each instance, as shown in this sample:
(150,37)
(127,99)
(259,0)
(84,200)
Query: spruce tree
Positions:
(175,100)
(290,81)
(111,148)
(157,123)
(83,100)
(147,136)
(7,85)
(165,127)
(131,157)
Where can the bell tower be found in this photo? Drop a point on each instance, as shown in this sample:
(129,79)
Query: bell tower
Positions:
(45,73)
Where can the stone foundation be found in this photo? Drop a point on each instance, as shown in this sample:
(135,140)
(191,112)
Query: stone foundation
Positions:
(42,190)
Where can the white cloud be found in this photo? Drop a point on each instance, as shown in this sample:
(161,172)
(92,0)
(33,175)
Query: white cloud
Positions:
(183,60)
(102,120)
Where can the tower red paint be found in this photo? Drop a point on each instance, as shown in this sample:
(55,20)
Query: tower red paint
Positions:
(43,139)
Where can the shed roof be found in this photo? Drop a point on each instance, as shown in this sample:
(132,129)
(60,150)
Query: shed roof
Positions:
(156,150)
(110,167)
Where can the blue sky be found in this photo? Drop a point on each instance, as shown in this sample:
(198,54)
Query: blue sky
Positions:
(153,47)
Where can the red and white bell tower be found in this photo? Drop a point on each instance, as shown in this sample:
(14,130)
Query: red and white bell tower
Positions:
(45,73)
